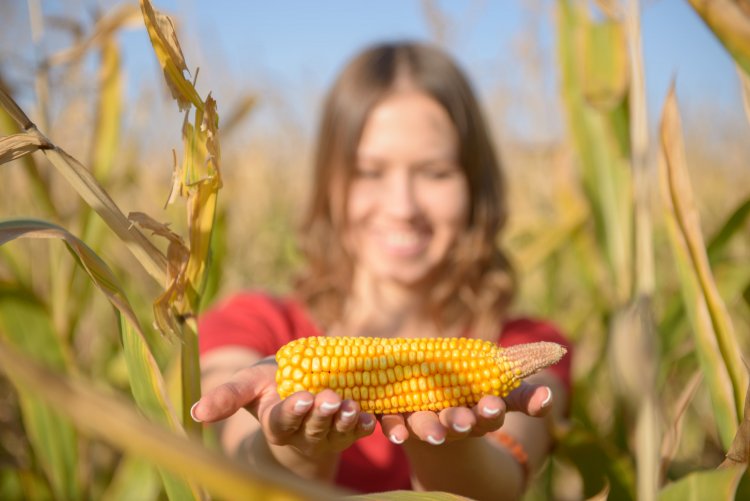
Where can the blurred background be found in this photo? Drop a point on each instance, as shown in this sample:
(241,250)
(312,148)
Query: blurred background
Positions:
(96,89)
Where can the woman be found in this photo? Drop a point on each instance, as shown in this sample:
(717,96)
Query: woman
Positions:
(400,241)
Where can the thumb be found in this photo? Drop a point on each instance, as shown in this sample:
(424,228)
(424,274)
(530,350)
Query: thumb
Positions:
(532,399)
(242,390)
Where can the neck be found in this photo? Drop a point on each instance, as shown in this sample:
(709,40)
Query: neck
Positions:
(379,309)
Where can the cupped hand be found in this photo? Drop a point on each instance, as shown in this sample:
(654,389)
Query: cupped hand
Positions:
(313,424)
(455,423)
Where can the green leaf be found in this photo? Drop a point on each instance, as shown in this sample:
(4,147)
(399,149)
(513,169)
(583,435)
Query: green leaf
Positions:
(146,381)
(599,137)
(25,323)
(718,347)
(109,417)
(134,479)
(716,485)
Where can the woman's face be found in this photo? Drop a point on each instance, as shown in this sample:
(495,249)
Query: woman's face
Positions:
(408,200)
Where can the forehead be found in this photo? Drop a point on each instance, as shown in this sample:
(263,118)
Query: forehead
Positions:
(410,123)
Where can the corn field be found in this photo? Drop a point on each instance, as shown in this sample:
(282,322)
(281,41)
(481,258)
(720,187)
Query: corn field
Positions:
(636,244)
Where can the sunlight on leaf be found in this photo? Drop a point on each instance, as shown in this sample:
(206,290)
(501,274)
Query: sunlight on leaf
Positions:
(161,31)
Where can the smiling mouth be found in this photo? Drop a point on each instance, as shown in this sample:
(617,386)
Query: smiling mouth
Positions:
(404,244)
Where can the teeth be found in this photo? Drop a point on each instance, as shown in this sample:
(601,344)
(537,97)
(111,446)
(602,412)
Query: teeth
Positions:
(402,239)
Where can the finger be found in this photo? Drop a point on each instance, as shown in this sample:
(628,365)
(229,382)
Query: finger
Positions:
(490,415)
(317,424)
(426,426)
(226,399)
(394,427)
(365,425)
(345,420)
(530,399)
(286,417)
(458,421)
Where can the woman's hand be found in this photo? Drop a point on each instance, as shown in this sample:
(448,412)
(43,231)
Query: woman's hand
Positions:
(314,425)
(456,423)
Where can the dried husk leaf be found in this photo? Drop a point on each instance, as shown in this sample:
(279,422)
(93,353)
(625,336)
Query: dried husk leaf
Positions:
(730,22)
(17,145)
(163,37)
(739,451)
(120,16)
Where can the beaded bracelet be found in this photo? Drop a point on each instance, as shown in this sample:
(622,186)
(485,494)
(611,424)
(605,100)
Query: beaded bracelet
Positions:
(516,450)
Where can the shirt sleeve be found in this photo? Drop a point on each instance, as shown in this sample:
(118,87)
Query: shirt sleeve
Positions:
(526,330)
(251,320)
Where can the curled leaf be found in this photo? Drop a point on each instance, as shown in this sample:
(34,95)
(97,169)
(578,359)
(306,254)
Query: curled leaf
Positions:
(177,262)
(163,37)
(17,145)
(739,451)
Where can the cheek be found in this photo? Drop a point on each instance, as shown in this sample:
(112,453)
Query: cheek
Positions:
(358,204)
(450,206)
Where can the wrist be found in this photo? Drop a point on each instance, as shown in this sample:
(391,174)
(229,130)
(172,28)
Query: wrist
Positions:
(320,465)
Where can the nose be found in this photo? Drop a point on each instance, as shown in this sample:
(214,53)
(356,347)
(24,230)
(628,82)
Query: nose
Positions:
(399,196)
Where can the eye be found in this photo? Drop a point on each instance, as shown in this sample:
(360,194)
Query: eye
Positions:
(439,171)
(368,172)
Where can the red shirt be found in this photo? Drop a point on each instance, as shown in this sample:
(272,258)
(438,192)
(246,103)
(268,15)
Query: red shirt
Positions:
(264,324)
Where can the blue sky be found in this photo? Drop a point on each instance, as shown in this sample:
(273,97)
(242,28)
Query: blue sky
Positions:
(297,46)
(293,49)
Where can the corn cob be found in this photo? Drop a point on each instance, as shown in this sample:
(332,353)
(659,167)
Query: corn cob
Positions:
(394,375)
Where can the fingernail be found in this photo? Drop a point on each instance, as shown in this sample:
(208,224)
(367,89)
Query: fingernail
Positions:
(547,400)
(192,413)
(330,408)
(489,411)
(393,438)
(461,429)
(435,441)
(347,414)
(367,421)
(302,405)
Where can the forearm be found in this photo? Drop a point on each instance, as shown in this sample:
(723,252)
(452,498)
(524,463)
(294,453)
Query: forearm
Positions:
(473,467)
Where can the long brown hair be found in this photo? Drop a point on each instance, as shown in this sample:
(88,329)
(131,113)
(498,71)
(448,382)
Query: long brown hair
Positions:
(477,282)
